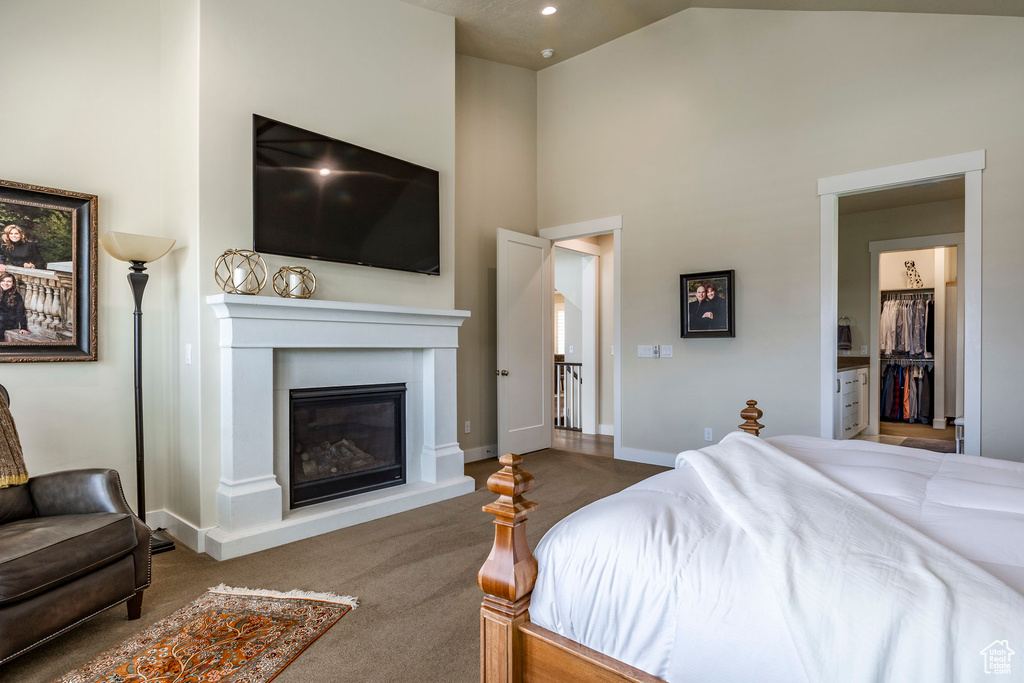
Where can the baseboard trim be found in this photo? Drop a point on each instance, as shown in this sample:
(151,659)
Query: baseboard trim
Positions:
(606,430)
(649,457)
(481,453)
(189,535)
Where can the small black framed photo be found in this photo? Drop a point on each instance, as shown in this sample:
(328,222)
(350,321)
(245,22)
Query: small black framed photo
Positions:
(47,274)
(707,304)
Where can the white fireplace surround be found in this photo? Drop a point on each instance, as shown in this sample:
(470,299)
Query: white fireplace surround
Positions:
(269,346)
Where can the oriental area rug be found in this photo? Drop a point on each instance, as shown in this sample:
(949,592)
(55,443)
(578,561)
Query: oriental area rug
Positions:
(229,635)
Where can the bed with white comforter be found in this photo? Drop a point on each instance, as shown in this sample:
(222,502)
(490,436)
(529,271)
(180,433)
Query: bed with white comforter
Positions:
(797,559)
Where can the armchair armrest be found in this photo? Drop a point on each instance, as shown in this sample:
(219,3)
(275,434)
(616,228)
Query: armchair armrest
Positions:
(76,492)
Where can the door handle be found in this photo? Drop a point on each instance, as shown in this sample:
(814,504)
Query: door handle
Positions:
(504,373)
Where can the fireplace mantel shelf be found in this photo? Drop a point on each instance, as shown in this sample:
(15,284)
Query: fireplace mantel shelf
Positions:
(277,308)
(327,340)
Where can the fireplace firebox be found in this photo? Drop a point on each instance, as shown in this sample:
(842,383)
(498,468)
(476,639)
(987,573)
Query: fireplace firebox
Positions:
(346,440)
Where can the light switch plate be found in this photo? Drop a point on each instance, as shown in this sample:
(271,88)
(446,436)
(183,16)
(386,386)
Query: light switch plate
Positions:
(666,350)
(645,351)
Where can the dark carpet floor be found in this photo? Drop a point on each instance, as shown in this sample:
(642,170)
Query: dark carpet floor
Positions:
(415,575)
(936,445)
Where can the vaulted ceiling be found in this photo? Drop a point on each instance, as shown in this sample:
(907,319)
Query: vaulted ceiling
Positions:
(514,31)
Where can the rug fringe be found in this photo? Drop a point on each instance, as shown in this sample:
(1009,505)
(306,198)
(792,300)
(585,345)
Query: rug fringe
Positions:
(349,600)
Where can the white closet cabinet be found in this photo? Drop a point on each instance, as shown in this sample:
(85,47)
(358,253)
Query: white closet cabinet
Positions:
(851,403)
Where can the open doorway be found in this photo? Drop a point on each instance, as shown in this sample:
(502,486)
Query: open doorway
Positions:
(964,168)
(580,316)
(898,293)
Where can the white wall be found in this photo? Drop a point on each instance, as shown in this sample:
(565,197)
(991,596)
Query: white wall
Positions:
(82,112)
(708,131)
(892,270)
(179,156)
(496,186)
(569,283)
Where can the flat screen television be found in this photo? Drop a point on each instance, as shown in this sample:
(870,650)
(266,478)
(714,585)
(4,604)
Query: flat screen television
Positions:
(315,197)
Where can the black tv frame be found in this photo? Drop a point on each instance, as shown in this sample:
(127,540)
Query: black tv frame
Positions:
(257,118)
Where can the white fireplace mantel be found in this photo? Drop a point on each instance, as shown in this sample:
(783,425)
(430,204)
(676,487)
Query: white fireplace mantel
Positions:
(267,345)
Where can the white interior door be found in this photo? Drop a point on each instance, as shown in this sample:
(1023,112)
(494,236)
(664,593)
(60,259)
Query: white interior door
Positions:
(525,354)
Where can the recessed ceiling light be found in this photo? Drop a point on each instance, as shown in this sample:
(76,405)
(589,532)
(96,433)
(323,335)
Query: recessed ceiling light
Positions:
(325,171)
(549,10)
(546,54)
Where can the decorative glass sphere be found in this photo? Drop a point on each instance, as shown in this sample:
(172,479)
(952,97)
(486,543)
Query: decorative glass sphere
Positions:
(240,271)
(294,282)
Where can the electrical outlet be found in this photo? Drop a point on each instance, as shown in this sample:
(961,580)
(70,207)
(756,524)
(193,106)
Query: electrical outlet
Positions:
(656,351)
(572,349)
(467,426)
(864,350)
(489,450)
(707,434)
(188,354)
(666,350)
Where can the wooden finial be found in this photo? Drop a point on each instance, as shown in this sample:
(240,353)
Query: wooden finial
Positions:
(751,414)
(508,575)
(510,570)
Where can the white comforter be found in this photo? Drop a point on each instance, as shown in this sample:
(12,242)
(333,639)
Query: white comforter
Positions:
(744,565)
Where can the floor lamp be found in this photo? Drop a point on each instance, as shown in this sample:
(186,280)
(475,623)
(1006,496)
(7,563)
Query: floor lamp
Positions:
(138,250)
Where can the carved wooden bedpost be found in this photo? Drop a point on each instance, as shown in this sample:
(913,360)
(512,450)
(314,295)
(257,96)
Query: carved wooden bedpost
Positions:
(751,414)
(507,577)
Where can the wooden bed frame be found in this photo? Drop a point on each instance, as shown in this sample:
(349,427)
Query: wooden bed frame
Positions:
(512,650)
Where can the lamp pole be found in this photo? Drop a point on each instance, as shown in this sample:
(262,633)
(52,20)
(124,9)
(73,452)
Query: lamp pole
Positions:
(138,279)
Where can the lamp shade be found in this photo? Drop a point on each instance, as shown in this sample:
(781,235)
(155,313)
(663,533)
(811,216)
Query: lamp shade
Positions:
(124,246)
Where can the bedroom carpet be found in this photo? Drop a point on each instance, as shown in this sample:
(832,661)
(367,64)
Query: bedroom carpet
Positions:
(414,573)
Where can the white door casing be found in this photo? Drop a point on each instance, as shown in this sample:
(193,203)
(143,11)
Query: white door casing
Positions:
(525,353)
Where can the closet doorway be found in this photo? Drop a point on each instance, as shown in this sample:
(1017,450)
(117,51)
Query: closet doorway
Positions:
(917,333)
(963,168)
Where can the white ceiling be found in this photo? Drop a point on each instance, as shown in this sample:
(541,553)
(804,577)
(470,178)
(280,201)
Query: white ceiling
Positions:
(922,193)
(514,31)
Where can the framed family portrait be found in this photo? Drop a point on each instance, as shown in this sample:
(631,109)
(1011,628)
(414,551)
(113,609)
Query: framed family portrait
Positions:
(47,274)
(707,304)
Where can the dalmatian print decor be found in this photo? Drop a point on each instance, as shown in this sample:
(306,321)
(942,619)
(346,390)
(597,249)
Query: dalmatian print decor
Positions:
(913,277)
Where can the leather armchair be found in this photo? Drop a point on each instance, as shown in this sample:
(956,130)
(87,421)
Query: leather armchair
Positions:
(70,547)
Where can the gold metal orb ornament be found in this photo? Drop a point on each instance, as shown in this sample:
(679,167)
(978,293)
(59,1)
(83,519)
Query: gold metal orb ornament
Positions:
(294,282)
(240,271)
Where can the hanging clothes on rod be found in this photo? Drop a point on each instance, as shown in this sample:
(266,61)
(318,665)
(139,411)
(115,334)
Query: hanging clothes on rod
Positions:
(907,390)
(904,326)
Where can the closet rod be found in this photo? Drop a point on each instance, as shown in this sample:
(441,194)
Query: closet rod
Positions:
(909,291)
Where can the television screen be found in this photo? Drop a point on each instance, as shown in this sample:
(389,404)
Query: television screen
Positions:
(319,198)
